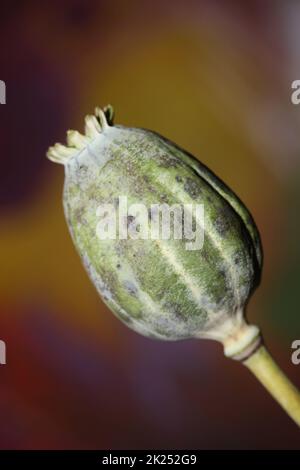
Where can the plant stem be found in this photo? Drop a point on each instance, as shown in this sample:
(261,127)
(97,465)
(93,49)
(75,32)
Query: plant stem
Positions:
(275,381)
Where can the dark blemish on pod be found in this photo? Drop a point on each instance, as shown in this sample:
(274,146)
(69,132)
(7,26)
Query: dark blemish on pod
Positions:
(168,161)
(205,256)
(237,259)
(175,310)
(130,287)
(118,266)
(178,179)
(164,198)
(160,294)
(192,187)
(130,220)
(222,223)
(223,273)
(178,313)
(79,215)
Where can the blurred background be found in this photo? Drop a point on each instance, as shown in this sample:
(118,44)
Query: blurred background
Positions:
(215,77)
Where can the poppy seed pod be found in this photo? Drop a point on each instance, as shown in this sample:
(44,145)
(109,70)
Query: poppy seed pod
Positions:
(163,287)
(159,287)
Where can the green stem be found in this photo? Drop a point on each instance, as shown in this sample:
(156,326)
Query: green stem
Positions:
(263,366)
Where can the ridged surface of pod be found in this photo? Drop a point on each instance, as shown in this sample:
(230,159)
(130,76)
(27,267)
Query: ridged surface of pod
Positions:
(158,287)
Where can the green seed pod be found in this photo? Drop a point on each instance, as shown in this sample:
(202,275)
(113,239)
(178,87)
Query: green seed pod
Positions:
(165,287)
(158,287)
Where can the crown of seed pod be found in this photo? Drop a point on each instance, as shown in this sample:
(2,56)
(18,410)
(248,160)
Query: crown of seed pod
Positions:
(158,287)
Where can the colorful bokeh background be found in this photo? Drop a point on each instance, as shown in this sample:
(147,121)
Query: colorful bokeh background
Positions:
(215,77)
